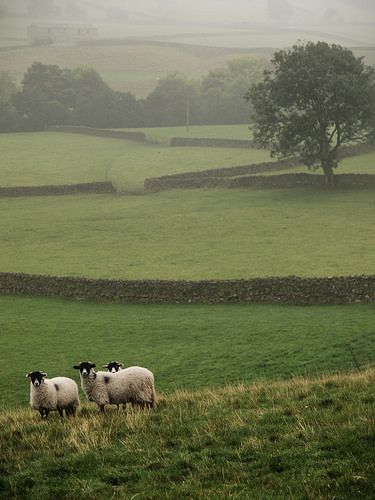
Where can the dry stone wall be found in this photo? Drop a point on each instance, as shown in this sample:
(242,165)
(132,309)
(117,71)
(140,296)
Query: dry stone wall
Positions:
(242,176)
(362,181)
(99,132)
(345,151)
(278,290)
(62,189)
(211,143)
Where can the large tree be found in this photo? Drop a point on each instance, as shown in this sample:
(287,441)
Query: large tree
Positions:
(46,96)
(316,98)
(224,88)
(174,101)
(9,118)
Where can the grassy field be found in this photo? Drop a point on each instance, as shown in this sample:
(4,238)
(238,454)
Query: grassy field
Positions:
(188,346)
(361,164)
(197,131)
(306,438)
(197,234)
(194,235)
(56,158)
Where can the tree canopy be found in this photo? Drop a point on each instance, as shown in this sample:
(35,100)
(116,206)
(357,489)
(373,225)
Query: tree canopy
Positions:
(316,98)
(8,113)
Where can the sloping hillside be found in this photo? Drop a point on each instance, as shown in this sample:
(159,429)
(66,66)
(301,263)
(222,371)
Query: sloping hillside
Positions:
(305,438)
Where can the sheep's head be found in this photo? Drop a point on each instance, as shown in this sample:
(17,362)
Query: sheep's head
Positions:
(37,378)
(85,368)
(113,366)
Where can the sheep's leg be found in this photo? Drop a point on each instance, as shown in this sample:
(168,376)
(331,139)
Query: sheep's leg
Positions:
(101,408)
(61,412)
(143,405)
(71,411)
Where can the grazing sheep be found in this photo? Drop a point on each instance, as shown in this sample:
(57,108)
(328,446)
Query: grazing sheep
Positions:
(132,385)
(58,393)
(113,366)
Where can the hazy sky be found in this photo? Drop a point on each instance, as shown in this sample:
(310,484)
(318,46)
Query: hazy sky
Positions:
(211,11)
(254,10)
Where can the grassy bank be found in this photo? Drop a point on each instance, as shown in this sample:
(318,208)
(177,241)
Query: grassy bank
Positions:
(186,346)
(305,438)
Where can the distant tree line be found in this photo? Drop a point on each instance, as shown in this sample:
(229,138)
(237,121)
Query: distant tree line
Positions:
(50,95)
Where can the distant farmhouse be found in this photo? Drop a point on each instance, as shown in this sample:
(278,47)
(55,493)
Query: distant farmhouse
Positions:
(49,33)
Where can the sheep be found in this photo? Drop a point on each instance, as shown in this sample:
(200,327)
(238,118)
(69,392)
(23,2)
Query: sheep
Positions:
(113,366)
(58,393)
(133,385)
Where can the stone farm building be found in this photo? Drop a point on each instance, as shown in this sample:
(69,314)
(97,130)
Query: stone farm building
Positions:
(61,32)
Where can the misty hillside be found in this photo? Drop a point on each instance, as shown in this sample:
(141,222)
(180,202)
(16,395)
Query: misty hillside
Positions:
(198,11)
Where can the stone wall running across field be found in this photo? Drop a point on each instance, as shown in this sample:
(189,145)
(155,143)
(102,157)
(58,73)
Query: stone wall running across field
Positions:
(84,188)
(99,132)
(243,175)
(278,290)
(345,151)
(211,142)
(361,181)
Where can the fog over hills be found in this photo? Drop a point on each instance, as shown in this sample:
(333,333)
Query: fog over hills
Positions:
(348,22)
(207,11)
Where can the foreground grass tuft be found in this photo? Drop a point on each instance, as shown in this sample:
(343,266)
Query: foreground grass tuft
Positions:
(304,438)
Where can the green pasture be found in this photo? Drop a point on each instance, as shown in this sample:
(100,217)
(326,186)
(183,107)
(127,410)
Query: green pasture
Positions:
(361,164)
(193,234)
(197,131)
(56,158)
(59,158)
(188,346)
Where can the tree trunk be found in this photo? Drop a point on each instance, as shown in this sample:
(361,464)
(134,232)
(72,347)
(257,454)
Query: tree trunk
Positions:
(330,178)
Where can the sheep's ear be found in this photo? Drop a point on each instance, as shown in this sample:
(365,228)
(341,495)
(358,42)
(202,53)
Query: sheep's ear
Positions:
(44,374)
(121,364)
(76,367)
(28,375)
(105,366)
(93,365)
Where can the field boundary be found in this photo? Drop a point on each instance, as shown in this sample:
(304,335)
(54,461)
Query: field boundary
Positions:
(243,175)
(62,189)
(291,180)
(211,142)
(99,132)
(273,290)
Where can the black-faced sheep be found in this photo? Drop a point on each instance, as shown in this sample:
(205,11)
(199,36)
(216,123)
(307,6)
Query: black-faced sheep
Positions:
(132,385)
(113,366)
(51,394)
